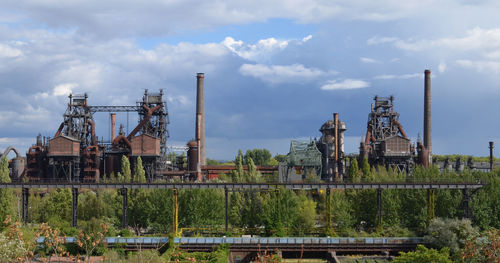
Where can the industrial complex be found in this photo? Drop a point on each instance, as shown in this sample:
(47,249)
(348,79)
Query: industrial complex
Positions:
(74,153)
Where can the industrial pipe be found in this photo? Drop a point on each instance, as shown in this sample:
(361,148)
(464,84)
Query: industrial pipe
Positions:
(149,114)
(400,127)
(119,138)
(113,121)
(92,131)
(491,156)
(427,115)
(198,142)
(336,120)
(59,130)
(200,109)
(11,148)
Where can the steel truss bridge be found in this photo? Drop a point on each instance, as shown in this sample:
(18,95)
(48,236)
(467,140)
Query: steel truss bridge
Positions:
(468,189)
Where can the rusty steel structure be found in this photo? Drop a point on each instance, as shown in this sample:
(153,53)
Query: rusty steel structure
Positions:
(331,146)
(74,154)
(386,142)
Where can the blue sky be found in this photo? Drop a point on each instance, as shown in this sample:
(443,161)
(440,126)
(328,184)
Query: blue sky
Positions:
(275,70)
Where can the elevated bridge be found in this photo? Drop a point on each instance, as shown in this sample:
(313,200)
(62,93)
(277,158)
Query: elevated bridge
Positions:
(467,188)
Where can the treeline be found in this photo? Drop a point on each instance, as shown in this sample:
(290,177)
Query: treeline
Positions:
(279,212)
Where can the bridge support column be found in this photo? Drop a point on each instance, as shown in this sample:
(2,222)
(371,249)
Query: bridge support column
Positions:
(175,217)
(328,200)
(124,207)
(25,205)
(74,207)
(379,207)
(225,209)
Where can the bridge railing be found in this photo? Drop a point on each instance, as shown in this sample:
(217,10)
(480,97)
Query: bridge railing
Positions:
(253,240)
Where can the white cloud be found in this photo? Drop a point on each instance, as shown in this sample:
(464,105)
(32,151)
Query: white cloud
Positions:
(442,67)
(368,60)
(154,18)
(305,39)
(477,39)
(9,52)
(482,66)
(262,50)
(381,40)
(403,76)
(64,89)
(345,84)
(281,74)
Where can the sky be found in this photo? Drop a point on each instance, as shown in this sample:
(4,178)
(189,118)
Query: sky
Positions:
(274,70)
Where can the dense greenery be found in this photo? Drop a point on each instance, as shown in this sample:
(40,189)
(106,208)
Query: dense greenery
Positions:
(279,212)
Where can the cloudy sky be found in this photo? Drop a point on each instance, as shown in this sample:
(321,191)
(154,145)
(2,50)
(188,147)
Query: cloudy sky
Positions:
(274,70)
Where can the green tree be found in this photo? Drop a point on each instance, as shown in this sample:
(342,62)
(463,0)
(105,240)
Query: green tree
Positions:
(139,211)
(424,255)
(125,168)
(253,175)
(365,168)
(281,158)
(119,178)
(485,205)
(259,156)
(238,174)
(353,171)
(451,233)
(306,219)
(341,210)
(201,208)
(161,210)
(6,196)
(139,173)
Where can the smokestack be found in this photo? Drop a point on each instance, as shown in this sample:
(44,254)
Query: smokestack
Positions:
(113,121)
(491,156)
(200,110)
(336,167)
(427,115)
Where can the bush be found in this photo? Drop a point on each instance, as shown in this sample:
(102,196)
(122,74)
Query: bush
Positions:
(451,233)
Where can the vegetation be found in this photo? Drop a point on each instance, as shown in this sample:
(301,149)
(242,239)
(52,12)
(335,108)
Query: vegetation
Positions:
(424,255)
(281,212)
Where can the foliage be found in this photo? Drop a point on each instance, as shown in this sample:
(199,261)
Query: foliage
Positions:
(280,158)
(11,250)
(221,255)
(342,210)
(451,233)
(353,170)
(54,208)
(259,156)
(201,208)
(484,248)
(306,219)
(125,168)
(424,255)
(91,237)
(139,211)
(6,197)
(366,170)
(53,241)
(485,205)
(139,173)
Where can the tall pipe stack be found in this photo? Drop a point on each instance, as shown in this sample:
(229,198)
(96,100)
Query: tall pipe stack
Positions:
(491,156)
(200,111)
(336,167)
(113,122)
(427,116)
